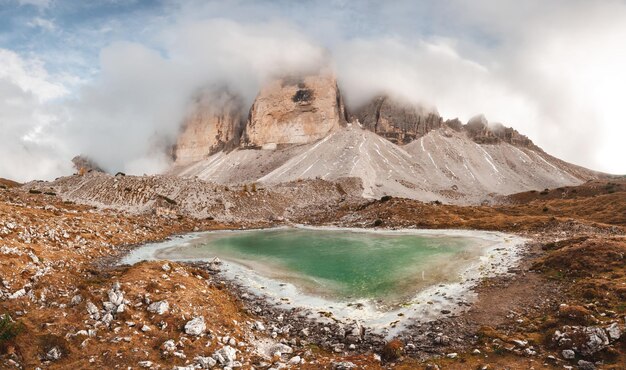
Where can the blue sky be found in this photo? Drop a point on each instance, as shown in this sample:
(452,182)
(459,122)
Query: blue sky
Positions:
(83,76)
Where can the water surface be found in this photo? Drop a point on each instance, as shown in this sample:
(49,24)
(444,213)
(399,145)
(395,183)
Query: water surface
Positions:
(342,265)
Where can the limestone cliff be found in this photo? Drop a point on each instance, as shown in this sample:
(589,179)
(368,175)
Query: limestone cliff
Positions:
(215,123)
(398,122)
(483,132)
(294,110)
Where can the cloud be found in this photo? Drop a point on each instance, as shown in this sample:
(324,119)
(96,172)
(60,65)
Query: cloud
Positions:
(45,24)
(553,70)
(29,149)
(42,4)
(127,118)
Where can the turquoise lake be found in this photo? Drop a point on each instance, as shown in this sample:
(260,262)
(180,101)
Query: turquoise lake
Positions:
(342,265)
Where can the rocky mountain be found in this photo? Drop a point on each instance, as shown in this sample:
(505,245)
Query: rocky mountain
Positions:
(397,121)
(215,122)
(298,129)
(294,110)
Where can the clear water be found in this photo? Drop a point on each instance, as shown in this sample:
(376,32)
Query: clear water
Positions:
(341,265)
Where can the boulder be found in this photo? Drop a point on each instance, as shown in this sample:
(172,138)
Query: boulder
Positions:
(226,356)
(195,326)
(159,307)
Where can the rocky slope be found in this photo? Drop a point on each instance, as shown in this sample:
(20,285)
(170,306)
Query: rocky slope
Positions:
(297,129)
(563,306)
(175,197)
(294,110)
(443,165)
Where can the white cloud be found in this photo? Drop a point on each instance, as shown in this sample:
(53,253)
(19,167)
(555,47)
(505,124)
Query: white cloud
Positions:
(42,4)
(30,149)
(46,24)
(553,70)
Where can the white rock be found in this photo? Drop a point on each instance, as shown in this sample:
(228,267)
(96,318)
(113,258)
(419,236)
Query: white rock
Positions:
(259,326)
(77,299)
(295,360)
(195,326)
(53,354)
(145,363)
(226,356)
(145,328)
(166,267)
(343,365)
(18,294)
(452,355)
(204,362)
(116,297)
(280,349)
(159,307)
(614,331)
(568,354)
(169,345)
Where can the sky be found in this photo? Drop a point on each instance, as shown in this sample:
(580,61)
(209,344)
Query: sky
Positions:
(113,79)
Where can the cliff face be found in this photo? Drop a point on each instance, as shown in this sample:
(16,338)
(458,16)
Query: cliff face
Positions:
(479,130)
(294,110)
(402,123)
(215,123)
(398,122)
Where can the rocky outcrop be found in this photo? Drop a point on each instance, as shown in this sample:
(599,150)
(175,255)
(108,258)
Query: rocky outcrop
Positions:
(294,110)
(84,164)
(483,132)
(215,123)
(398,122)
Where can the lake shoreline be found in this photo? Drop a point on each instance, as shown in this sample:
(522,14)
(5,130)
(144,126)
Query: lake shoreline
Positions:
(501,252)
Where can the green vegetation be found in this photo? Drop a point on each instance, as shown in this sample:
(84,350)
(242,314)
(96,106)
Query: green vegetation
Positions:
(9,329)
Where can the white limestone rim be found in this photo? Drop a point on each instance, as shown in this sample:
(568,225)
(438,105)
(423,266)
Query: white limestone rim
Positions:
(500,252)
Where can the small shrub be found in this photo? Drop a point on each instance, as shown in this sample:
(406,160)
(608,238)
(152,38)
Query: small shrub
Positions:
(385,198)
(33,191)
(392,351)
(545,209)
(253,187)
(9,329)
(378,222)
(245,188)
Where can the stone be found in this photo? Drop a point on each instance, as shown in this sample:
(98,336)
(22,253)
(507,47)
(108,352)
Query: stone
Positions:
(77,299)
(568,354)
(195,326)
(295,360)
(93,311)
(280,349)
(586,365)
(116,297)
(294,110)
(259,326)
(169,345)
(226,356)
(614,332)
(204,362)
(343,365)
(452,355)
(159,307)
(355,333)
(54,354)
(146,364)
